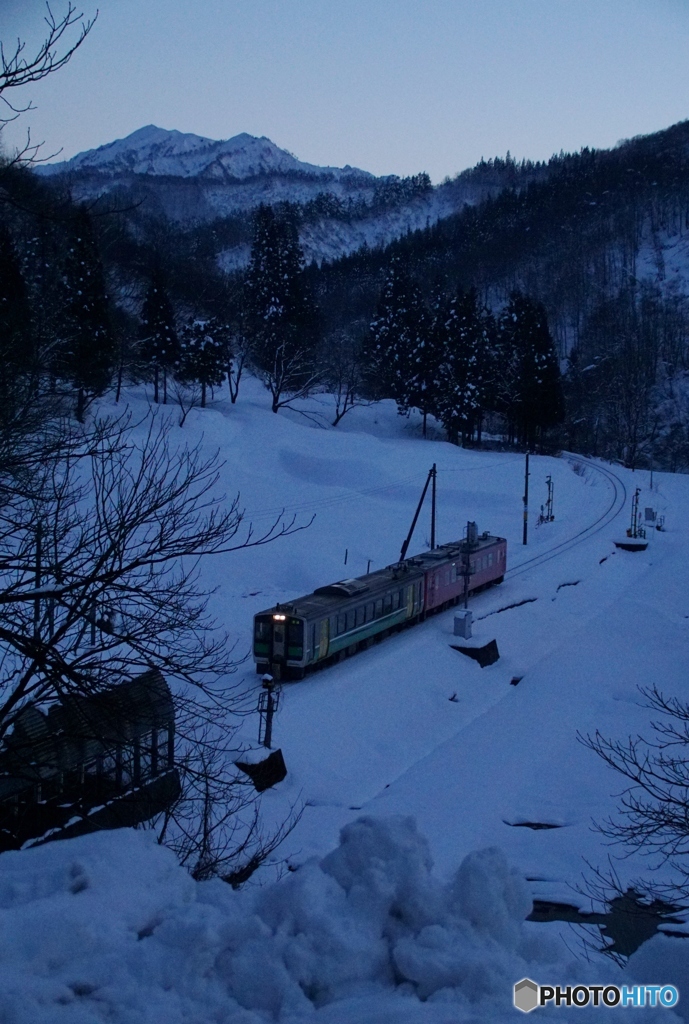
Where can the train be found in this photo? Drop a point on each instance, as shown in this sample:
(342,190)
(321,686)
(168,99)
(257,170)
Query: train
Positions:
(339,619)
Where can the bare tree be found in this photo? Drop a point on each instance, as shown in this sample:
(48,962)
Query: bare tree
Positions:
(215,827)
(18,69)
(101,537)
(237,355)
(187,395)
(654,810)
(113,529)
(288,372)
(344,374)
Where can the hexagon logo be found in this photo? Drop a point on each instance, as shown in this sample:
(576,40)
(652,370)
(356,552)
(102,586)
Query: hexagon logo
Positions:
(526,995)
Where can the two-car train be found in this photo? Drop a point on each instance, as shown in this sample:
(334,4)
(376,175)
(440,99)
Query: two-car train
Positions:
(341,618)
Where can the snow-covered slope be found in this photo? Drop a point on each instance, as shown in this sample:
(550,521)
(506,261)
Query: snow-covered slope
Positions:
(362,930)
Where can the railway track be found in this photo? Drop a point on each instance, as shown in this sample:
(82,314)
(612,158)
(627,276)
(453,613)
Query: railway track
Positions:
(617,504)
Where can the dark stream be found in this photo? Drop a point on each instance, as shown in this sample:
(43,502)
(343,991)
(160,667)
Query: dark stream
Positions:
(628,922)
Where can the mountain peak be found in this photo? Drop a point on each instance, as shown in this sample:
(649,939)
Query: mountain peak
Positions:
(159,151)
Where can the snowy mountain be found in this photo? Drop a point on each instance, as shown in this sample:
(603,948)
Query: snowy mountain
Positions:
(191,180)
(156,151)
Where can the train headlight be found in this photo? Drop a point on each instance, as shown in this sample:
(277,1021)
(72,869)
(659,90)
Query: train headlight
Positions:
(279,618)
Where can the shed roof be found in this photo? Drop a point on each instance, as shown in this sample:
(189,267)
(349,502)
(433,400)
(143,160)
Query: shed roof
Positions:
(80,728)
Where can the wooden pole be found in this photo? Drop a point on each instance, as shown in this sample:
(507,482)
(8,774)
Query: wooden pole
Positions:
(435,473)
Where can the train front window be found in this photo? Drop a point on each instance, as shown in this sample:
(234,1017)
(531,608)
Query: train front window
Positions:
(295,639)
(263,625)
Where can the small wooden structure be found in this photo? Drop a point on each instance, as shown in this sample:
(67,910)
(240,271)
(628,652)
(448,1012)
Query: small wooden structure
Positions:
(91,762)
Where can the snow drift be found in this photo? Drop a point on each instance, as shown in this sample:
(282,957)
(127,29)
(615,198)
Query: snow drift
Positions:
(108,927)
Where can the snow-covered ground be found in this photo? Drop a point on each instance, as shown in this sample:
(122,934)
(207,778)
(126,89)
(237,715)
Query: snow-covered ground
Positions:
(109,928)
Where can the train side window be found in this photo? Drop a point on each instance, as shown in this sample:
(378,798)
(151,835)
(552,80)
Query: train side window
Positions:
(369,611)
(395,601)
(351,619)
(490,558)
(387,603)
(340,623)
(472,565)
(313,640)
(360,615)
(379,607)
(453,573)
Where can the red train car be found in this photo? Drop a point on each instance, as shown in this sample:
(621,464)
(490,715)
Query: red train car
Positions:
(454,568)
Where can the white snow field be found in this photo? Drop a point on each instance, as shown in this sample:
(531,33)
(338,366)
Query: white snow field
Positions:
(411,877)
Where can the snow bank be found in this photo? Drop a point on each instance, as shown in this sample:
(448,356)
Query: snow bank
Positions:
(108,927)
(664,961)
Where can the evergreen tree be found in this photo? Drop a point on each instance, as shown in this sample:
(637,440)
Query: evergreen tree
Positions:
(15,321)
(532,395)
(16,348)
(88,351)
(462,378)
(398,362)
(203,345)
(281,318)
(428,353)
(160,344)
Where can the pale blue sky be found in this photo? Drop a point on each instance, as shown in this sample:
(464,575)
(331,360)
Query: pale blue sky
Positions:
(393,86)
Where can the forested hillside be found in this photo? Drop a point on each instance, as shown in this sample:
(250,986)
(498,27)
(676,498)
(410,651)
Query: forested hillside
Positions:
(596,243)
(602,241)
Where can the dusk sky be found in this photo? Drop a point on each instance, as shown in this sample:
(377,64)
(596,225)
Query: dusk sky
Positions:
(392,86)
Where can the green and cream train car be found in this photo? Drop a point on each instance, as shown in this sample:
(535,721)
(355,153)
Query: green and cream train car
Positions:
(336,620)
(340,619)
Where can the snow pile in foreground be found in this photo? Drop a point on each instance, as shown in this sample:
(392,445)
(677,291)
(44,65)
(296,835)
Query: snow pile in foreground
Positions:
(109,928)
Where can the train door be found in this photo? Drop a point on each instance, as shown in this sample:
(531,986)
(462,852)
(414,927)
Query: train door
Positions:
(279,630)
(324,639)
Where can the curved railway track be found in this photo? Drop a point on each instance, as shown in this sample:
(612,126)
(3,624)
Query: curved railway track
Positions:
(617,503)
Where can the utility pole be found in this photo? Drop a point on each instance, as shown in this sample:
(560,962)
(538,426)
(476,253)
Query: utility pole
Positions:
(526,498)
(405,546)
(549,503)
(466,567)
(267,706)
(434,473)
